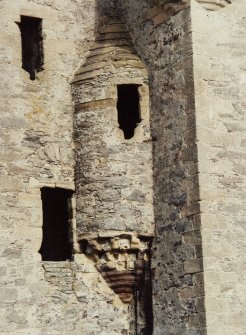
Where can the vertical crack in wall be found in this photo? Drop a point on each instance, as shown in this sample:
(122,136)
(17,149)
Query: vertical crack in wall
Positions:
(143,304)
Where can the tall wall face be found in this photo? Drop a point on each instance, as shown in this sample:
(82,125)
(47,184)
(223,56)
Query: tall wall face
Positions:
(219,45)
(197,123)
(113,178)
(164,42)
(36,150)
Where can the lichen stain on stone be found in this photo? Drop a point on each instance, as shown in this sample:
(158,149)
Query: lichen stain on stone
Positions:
(36,103)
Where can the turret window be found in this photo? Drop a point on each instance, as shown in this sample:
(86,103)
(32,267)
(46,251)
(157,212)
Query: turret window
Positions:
(128,108)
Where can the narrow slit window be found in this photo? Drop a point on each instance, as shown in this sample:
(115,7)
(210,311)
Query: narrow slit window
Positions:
(32,45)
(56,244)
(128,109)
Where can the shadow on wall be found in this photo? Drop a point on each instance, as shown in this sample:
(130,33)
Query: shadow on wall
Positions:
(108,9)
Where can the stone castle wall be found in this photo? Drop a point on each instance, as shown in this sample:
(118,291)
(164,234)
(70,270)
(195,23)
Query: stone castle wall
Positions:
(191,143)
(114,187)
(36,150)
(219,45)
(165,44)
(197,125)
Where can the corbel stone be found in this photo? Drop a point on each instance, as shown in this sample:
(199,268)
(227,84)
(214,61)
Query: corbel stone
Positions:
(214,4)
(171,7)
(164,9)
(177,5)
(122,259)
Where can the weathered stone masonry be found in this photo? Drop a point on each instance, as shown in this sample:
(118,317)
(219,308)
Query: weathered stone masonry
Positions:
(156,219)
(37,151)
(220,122)
(181,182)
(113,175)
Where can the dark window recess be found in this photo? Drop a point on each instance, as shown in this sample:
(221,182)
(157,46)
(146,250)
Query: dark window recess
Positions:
(128,109)
(32,45)
(56,244)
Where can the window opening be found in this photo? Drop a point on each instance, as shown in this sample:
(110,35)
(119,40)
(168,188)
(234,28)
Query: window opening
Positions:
(56,245)
(32,45)
(128,108)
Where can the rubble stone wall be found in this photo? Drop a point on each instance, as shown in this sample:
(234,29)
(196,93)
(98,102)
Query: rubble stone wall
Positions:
(194,54)
(164,41)
(114,187)
(36,150)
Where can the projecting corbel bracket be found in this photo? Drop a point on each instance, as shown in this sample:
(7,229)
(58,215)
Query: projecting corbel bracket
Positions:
(214,5)
(164,9)
(122,258)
